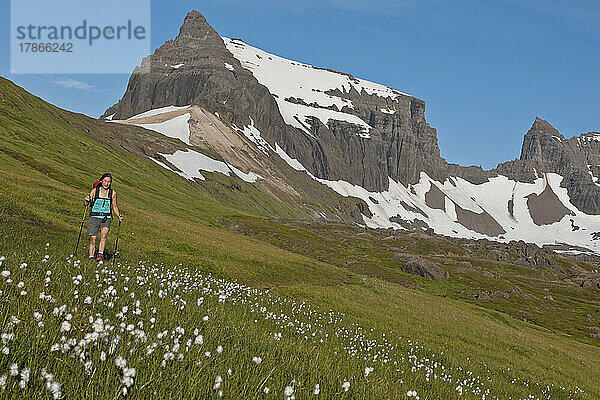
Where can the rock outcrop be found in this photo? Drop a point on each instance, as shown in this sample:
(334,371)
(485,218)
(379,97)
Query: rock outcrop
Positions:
(420,266)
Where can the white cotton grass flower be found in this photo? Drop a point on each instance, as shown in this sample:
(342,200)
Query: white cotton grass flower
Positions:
(219,349)
(120,362)
(317,389)
(37,316)
(5,273)
(199,340)
(288,392)
(346,386)
(54,388)
(168,356)
(65,326)
(266,390)
(3,379)
(13,369)
(25,374)
(5,351)
(98,325)
(127,381)
(218,381)
(368,370)
(411,393)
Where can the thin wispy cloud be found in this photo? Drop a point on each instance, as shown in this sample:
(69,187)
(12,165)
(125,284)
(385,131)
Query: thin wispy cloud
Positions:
(74,84)
(394,7)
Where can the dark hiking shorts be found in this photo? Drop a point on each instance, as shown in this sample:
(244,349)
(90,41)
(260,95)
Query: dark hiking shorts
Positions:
(95,224)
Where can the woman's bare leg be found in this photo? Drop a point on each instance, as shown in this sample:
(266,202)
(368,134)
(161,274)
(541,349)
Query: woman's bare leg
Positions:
(92,246)
(103,234)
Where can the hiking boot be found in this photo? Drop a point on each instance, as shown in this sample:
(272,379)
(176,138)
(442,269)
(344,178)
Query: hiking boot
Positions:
(100,257)
(91,258)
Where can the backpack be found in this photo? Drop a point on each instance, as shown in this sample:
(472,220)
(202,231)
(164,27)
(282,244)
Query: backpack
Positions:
(101,210)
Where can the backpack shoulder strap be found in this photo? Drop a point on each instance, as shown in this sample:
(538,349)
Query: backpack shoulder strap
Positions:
(97,192)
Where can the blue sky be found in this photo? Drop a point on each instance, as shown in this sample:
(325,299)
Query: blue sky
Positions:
(485,68)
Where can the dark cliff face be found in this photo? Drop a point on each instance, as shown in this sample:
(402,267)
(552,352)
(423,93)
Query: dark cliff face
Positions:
(401,144)
(191,70)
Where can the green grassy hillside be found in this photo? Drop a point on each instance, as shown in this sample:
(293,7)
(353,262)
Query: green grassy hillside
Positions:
(310,319)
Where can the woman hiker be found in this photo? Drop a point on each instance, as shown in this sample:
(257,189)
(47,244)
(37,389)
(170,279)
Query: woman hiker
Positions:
(103,199)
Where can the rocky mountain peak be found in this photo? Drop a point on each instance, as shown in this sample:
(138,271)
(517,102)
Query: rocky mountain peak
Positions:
(543,127)
(544,146)
(195,26)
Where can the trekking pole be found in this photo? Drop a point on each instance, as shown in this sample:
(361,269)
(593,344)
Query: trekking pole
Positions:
(80,229)
(116,244)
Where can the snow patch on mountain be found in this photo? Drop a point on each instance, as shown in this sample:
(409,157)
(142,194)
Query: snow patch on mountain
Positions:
(254,135)
(591,136)
(301,90)
(190,163)
(250,177)
(594,179)
(177,128)
(157,111)
(292,162)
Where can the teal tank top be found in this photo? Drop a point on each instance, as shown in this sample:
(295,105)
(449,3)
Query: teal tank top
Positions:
(101,207)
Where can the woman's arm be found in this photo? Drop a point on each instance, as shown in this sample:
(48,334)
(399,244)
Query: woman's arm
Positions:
(90,196)
(115,206)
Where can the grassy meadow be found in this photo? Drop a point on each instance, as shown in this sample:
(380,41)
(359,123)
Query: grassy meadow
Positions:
(192,309)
